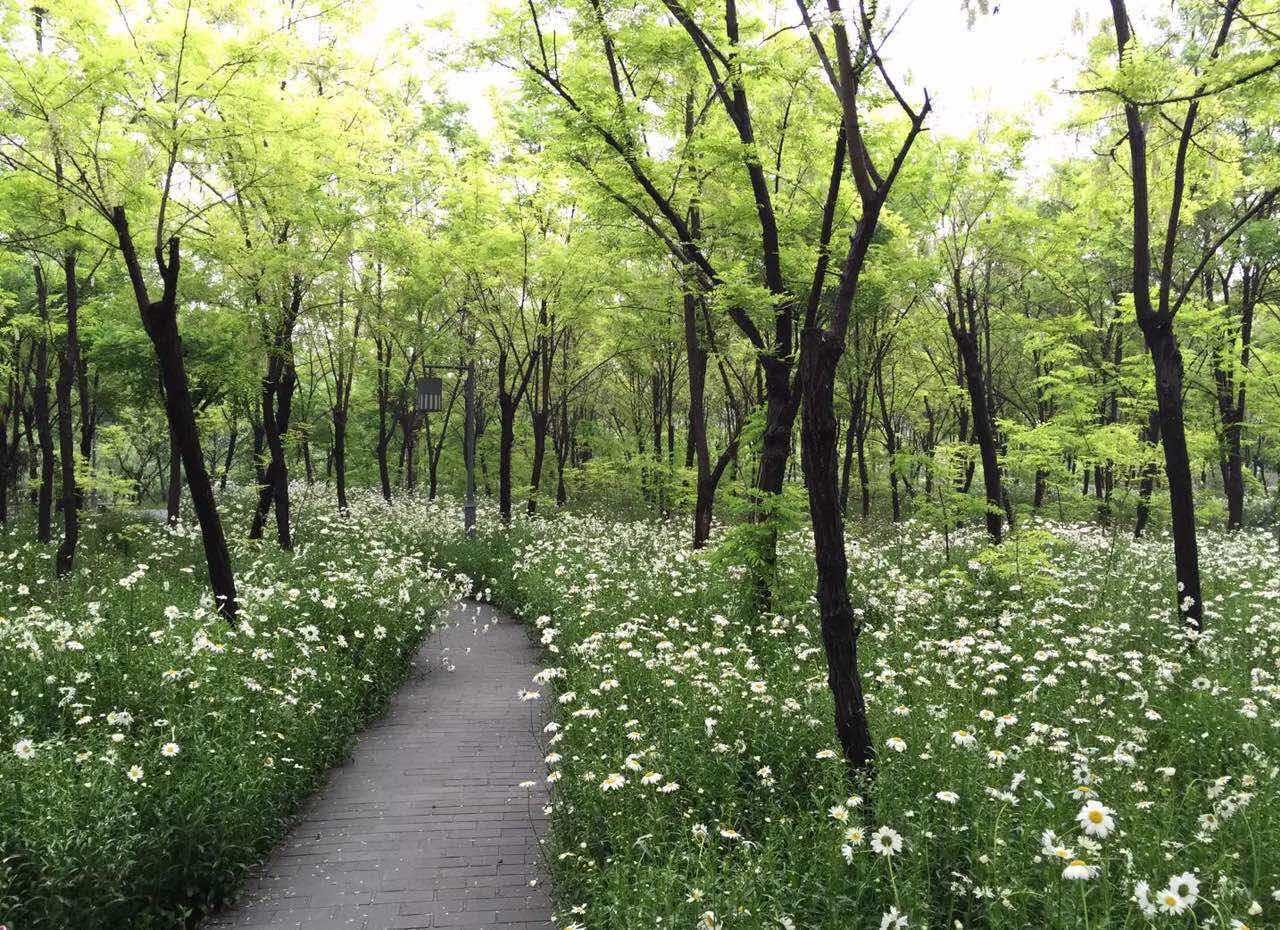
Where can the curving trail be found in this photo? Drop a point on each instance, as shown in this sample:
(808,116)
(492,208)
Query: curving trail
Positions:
(425,826)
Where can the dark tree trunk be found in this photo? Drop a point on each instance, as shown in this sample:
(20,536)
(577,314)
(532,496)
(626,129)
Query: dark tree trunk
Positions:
(384,404)
(173,489)
(307,461)
(562,492)
(890,445)
(846,472)
(696,361)
(40,409)
(278,385)
(231,449)
(1043,413)
(839,630)
(864,476)
(340,456)
(1167,360)
(962,320)
(1230,376)
(11,413)
(86,388)
(541,424)
(1233,479)
(510,396)
(781,408)
(855,447)
(820,352)
(409,449)
(70,363)
(708,475)
(670,404)
(658,486)
(160,318)
(343,378)
(7,413)
(539,458)
(1156,318)
(259,444)
(562,438)
(506,446)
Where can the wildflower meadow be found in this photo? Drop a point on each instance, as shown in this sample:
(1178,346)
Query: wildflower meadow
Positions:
(152,750)
(639,464)
(1052,751)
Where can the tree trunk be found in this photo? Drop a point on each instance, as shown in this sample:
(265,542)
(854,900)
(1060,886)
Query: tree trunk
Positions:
(1230,376)
(1167,360)
(383,349)
(9,412)
(819,355)
(561,442)
(409,450)
(307,461)
(864,476)
(86,390)
(231,449)
(160,319)
(1233,478)
(540,420)
(510,396)
(506,445)
(781,407)
(696,361)
(173,493)
(278,385)
(847,471)
(66,436)
(890,445)
(40,409)
(340,456)
(983,431)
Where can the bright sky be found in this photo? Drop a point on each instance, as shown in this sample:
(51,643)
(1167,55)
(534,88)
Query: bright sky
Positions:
(1011,62)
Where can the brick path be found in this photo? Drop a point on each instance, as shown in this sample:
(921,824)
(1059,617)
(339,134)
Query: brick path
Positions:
(426,825)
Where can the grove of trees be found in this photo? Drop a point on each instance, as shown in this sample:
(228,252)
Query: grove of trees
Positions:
(711,263)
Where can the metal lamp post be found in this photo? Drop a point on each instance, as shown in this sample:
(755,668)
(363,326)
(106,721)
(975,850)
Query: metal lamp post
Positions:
(429,398)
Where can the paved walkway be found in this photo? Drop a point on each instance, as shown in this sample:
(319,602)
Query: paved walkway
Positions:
(426,825)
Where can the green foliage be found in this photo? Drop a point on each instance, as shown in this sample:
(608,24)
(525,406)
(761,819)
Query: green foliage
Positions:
(100,675)
(1026,679)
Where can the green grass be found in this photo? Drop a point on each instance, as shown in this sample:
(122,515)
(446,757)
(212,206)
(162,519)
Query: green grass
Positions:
(100,673)
(655,665)
(691,751)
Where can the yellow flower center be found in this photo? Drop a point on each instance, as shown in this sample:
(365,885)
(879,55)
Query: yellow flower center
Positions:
(1095,815)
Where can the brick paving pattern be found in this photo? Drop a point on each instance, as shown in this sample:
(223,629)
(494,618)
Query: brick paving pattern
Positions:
(425,826)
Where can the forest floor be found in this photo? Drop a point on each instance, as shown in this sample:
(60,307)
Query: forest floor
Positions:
(427,824)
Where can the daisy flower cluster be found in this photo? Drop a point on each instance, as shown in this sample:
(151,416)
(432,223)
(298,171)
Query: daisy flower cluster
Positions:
(1053,749)
(149,750)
